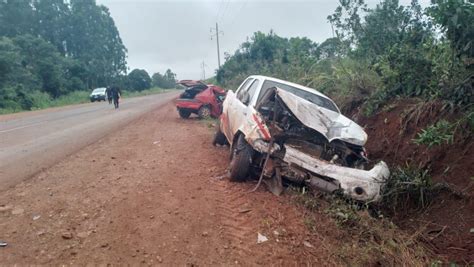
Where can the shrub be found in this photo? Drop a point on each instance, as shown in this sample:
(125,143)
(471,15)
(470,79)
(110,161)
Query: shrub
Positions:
(408,187)
(440,133)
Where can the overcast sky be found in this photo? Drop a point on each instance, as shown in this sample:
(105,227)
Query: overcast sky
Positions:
(176,34)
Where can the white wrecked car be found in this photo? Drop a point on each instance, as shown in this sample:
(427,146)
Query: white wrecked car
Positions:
(305,136)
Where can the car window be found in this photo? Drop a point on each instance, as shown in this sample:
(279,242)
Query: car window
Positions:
(314,98)
(242,88)
(251,91)
(245,94)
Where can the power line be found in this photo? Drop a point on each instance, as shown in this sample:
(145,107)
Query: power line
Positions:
(237,14)
(225,9)
(219,8)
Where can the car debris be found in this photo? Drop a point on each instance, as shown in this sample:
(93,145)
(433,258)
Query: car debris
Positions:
(199,98)
(286,131)
(3,244)
(261,238)
(307,244)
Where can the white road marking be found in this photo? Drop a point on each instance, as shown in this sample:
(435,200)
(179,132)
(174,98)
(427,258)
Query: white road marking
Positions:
(21,127)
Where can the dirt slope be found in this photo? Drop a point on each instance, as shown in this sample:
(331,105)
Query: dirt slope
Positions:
(153,193)
(447,223)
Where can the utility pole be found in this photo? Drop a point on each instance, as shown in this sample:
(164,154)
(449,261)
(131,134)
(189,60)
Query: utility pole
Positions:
(216,32)
(203,70)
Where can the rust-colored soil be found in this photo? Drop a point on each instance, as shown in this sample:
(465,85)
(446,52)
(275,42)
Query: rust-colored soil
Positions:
(154,193)
(449,219)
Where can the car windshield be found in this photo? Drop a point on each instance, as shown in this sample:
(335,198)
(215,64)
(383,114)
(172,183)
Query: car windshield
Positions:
(98,90)
(311,97)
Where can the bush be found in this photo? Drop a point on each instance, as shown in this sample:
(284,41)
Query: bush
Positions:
(436,134)
(75,97)
(407,188)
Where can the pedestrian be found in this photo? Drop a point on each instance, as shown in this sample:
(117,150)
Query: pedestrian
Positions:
(116,94)
(108,93)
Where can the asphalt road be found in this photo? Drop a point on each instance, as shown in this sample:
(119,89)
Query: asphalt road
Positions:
(32,141)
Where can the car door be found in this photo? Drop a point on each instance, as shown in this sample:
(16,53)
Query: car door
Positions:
(229,109)
(242,106)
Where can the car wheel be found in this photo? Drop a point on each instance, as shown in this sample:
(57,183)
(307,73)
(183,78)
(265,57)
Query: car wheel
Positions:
(204,112)
(219,137)
(184,113)
(241,160)
(92,100)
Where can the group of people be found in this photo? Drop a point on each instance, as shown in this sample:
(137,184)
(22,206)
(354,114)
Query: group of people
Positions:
(113,93)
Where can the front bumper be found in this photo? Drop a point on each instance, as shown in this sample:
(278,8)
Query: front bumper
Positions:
(358,184)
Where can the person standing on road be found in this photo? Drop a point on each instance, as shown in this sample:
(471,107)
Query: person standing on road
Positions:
(108,92)
(116,94)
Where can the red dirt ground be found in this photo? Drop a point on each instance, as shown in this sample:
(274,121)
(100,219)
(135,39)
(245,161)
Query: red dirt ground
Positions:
(154,193)
(449,219)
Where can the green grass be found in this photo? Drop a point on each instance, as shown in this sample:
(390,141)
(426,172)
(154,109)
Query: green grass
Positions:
(151,91)
(77,97)
(42,100)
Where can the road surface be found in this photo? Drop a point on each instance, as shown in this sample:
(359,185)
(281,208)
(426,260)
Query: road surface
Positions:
(32,141)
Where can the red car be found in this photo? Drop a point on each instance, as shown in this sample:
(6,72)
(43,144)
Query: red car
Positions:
(199,98)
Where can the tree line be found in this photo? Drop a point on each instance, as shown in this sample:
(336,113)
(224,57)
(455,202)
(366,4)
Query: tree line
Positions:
(376,54)
(139,79)
(50,48)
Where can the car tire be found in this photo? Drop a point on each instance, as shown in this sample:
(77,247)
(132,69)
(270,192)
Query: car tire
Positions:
(219,137)
(204,112)
(184,113)
(241,160)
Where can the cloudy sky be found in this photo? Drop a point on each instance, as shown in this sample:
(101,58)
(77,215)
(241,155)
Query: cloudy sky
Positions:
(176,34)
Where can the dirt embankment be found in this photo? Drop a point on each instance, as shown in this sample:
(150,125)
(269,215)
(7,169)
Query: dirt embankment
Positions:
(450,217)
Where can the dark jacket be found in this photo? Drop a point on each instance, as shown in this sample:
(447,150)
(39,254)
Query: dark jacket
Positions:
(115,91)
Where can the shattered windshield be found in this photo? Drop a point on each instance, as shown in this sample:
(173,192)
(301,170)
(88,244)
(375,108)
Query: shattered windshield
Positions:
(313,98)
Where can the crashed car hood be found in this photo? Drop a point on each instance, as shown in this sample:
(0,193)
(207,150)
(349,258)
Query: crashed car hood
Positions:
(332,125)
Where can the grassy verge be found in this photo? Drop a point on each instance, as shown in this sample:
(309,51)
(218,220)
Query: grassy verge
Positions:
(151,91)
(364,240)
(42,100)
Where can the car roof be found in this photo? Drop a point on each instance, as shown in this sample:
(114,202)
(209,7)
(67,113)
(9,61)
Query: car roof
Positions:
(100,89)
(299,86)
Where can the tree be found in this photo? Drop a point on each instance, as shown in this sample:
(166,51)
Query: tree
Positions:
(330,48)
(158,80)
(168,80)
(94,40)
(139,80)
(44,62)
(456,19)
(53,22)
(16,18)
